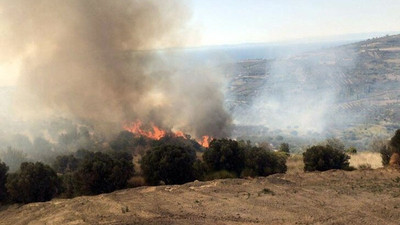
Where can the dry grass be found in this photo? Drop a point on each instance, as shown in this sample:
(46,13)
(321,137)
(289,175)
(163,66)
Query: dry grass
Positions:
(295,164)
(372,158)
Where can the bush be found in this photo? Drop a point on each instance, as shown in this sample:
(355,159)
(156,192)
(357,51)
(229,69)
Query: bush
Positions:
(284,147)
(365,166)
(101,173)
(260,162)
(68,185)
(168,163)
(395,142)
(351,150)
(199,170)
(3,179)
(323,158)
(224,154)
(33,182)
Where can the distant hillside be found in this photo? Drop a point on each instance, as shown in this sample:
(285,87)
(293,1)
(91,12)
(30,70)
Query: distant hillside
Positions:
(355,85)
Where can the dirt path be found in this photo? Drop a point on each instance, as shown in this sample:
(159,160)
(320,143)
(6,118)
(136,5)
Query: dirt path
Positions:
(332,197)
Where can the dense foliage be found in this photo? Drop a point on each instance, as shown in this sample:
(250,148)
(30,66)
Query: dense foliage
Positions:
(225,154)
(33,182)
(3,179)
(170,164)
(284,147)
(65,163)
(323,158)
(260,162)
(101,173)
(395,142)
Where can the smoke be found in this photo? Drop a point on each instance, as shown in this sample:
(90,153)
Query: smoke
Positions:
(302,93)
(95,61)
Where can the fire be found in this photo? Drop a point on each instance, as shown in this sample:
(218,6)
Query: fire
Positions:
(158,133)
(205,142)
(136,128)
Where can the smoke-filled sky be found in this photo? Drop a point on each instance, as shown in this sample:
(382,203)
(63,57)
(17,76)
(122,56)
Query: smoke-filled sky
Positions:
(89,59)
(221,22)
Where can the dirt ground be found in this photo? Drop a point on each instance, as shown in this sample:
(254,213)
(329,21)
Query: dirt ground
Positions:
(331,197)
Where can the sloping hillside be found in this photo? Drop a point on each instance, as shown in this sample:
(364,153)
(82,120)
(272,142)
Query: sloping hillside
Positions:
(357,87)
(332,197)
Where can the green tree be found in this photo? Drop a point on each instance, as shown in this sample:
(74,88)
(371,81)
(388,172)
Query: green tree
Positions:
(260,162)
(3,179)
(101,173)
(284,147)
(323,158)
(225,154)
(33,182)
(168,163)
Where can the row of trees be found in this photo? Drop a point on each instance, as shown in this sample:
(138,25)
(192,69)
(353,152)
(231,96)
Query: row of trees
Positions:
(84,173)
(172,164)
(171,160)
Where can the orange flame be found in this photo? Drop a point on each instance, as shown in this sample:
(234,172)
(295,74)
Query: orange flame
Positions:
(158,133)
(136,128)
(205,142)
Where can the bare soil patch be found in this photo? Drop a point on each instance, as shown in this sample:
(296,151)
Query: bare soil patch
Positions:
(332,197)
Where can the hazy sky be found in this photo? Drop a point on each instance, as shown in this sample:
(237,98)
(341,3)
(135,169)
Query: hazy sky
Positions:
(244,21)
(217,22)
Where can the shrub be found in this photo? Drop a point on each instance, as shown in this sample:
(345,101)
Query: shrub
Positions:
(323,158)
(351,150)
(395,142)
(284,147)
(386,153)
(224,154)
(101,173)
(3,179)
(68,185)
(168,163)
(33,182)
(365,166)
(199,170)
(260,162)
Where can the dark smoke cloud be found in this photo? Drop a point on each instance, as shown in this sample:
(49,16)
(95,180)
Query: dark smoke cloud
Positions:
(89,60)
